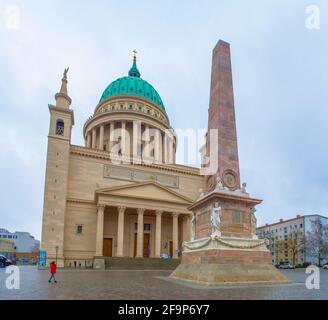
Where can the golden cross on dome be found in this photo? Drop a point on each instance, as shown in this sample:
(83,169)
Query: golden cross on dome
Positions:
(135,52)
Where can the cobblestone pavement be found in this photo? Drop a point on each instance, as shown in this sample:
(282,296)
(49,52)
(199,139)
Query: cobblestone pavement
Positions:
(147,285)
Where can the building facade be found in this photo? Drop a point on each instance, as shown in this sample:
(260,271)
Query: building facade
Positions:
(7,246)
(121,194)
(289,239)
(24,242)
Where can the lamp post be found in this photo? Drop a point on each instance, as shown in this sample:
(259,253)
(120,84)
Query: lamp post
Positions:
(56,253)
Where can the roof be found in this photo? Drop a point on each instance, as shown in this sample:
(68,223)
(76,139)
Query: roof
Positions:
(292,219)
(280,222)
(133,85)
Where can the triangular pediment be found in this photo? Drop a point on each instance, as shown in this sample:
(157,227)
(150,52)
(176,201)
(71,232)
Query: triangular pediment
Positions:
(147,190)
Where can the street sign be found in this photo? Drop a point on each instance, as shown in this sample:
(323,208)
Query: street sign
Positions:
(42,259)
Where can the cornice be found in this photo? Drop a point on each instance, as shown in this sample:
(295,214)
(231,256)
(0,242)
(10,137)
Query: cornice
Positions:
(63,110)
(74,200)
(104,155)
(224,196)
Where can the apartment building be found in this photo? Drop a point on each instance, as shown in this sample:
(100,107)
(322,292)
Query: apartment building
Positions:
(288,239)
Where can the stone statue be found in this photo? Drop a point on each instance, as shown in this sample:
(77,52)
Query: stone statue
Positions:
(216,216)
(243,188)
(253,222)
(192,226)
(219,184)
(65,73)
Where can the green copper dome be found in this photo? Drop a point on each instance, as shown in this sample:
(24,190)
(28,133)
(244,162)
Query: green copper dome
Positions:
(133,85)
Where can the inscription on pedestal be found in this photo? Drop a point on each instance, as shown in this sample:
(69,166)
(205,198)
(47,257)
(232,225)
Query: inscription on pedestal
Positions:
(237,217)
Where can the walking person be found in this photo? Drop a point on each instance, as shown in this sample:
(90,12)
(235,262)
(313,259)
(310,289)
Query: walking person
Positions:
(53,270)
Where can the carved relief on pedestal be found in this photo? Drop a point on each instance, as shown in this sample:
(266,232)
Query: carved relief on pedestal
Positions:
(211,183)
(229,179)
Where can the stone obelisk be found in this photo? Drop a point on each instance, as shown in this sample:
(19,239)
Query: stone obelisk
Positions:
(221,114)
(224,247)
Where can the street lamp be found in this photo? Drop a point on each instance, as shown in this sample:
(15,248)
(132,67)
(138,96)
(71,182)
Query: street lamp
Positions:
(56,253)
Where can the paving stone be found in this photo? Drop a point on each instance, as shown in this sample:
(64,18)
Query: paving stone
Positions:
(147,285)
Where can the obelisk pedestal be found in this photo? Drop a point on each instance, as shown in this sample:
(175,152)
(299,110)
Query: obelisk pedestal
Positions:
(228,252)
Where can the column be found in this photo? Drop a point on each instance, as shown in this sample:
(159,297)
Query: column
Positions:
(147,141)
(161,159)
(168,146)
(165,148)
(170,149)
(158,241)
(120,231)
(123,138)
(136,139)
(94,136)
(158,143)
(186,236)
(175,234)
(100,231)
(111,136)
(101,138)
(189,226)
(140,235)
(88,140)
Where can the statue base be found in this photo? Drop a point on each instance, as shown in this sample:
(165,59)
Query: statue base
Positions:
(220,260)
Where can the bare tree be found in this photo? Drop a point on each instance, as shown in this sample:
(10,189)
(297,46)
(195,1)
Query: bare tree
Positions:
(317,239)
(279,251)
(296,243)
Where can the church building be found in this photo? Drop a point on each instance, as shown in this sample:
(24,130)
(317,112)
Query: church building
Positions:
(121,194)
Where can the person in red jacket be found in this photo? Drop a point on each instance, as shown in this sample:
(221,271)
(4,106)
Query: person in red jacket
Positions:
(53,270)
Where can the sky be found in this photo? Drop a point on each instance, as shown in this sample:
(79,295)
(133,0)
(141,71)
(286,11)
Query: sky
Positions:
(280,75)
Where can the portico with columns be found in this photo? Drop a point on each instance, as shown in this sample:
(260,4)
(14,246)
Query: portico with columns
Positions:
(141,226)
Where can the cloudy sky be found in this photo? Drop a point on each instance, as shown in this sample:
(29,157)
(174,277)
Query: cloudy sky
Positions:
(280,73)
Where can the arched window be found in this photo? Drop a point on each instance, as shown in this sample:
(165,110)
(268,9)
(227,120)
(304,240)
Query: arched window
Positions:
(60,127)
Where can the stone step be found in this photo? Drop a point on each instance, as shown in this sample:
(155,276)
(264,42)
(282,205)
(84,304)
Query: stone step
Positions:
(141,263)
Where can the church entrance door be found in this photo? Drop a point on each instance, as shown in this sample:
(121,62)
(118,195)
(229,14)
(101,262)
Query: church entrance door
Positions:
(107,248)
(146,245)
(146,248)
(171,248)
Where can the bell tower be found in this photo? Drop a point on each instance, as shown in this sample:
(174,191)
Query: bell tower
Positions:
(55,193)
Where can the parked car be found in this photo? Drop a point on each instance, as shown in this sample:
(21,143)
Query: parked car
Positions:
(306,264)
(325,266)
(286,266)
(4,262)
